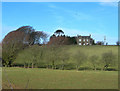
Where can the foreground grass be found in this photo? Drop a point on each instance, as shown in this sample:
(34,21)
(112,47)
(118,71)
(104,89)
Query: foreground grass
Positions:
(21,78)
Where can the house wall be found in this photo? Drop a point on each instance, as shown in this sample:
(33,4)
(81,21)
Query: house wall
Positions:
(84,40)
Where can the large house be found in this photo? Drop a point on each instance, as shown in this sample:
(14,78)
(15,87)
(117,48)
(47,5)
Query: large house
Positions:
(84,40)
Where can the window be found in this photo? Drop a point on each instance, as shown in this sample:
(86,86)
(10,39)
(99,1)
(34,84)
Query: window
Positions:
(79,43)
(87,40)
(83,39)
(79,39)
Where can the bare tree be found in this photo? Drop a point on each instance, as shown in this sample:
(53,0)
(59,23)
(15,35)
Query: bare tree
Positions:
(94,61)
(108,58)
(100,43)
(79,58)
(118,43)
(63,56)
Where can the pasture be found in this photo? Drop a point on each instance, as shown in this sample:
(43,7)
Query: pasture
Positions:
(37,78)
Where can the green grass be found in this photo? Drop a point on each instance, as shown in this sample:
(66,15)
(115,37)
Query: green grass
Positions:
(93,50)
(59,79)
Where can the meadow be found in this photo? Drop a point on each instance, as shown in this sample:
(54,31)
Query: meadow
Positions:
(23,78)
(43,77)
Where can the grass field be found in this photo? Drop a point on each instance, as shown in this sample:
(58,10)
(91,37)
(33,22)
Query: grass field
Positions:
(92,50)
(21,78)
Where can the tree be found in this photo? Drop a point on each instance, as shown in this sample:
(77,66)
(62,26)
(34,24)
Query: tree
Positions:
(94,61)
(24,57)
(30,57)
(100,43)
(11,44)
(118,43)
(108,58)
(38,52)
(38,37)
(28,34)
(79,58)
(19,39)
(52,56)
(31,36)
(59,32)
(93,42)
(63,56)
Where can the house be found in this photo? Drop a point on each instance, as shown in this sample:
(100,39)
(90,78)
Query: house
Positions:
(57,39)
(84,40)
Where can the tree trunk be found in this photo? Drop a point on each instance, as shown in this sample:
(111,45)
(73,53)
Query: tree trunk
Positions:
(28,66)
(94,68)
(102,68)
(55,66)
(47,67)
(32,65)
(77,68)
(62,67)
(24,65)
(52,64)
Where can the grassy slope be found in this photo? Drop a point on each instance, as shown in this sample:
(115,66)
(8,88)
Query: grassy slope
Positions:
(61,79)
(93,50)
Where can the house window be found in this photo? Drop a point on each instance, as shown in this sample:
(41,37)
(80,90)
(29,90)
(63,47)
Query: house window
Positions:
(83,39)
(87,40)
(79,39)
(79,43)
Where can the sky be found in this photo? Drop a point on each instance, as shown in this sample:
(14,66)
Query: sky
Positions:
(75,18)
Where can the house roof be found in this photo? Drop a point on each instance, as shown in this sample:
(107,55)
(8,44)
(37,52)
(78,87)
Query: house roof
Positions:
(83,36)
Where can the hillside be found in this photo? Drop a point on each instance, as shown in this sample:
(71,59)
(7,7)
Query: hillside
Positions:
(68,56)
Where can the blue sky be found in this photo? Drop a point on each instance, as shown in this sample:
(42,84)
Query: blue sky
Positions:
(96,18)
